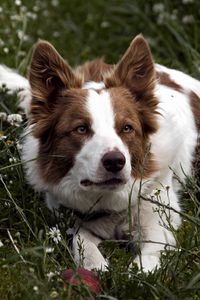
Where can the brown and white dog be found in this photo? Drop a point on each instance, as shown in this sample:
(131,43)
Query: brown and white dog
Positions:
(106,141)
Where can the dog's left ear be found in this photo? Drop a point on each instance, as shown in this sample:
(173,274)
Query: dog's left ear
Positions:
(135,70)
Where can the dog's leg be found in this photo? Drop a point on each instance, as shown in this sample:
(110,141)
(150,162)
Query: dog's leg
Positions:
(86,251)
(157,224)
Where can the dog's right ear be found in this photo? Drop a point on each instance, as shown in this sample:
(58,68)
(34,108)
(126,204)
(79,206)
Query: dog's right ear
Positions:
(48,75)
(49,72)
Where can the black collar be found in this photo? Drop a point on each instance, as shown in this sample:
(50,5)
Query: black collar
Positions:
(92,215)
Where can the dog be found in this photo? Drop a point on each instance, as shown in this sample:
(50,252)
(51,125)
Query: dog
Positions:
(109,142)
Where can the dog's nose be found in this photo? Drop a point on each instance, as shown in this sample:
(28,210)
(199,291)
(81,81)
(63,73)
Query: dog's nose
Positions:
(113,161)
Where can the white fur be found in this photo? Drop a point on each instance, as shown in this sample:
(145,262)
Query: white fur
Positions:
(12,80)
(16,83)
(86,243)
(173,147)
(93,85)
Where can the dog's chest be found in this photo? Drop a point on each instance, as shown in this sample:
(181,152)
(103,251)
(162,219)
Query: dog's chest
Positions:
(108,225)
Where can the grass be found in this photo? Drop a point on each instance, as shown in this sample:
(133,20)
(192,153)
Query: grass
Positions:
(31,263)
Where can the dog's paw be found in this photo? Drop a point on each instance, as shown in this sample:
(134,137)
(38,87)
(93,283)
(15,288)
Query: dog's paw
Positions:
(148,262)
(100,265)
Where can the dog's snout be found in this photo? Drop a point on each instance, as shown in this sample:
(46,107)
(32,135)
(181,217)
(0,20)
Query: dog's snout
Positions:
(113,161)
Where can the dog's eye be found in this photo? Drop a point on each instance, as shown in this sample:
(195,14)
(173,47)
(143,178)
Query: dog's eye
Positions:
(83,129)
(127,128)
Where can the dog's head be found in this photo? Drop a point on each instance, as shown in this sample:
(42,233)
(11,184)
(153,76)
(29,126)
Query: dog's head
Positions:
(93,123)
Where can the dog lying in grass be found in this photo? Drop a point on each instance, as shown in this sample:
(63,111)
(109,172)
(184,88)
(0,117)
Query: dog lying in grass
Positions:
(109,142)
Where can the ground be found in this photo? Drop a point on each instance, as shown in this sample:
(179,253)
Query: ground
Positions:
(34,247)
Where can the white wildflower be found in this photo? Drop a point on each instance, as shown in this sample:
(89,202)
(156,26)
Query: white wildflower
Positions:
(31,15)
(1,244)
(54,295)
(35,288)
(1,9)
(20,34)
(18,2)
(105,24)
(3,116)
(50,275)
(49,250)
(12,160)
(19,146)
(36,8)
(31,270)
(14,119)
(158,7)
(5,50)
(155,192)
(17,234)
(188,19)
(54,234)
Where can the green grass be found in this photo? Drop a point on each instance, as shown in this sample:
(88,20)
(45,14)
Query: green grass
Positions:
(82,30)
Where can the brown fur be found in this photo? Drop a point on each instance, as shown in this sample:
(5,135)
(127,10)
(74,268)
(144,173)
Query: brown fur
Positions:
(135,71)
(165,79)
(49,74)
(129,111)
(61,142)
(195,104)
(93,70)
(49,71)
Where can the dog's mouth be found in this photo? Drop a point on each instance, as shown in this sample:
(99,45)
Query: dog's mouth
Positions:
(113,182)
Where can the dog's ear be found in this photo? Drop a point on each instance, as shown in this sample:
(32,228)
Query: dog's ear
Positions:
(49,72)
(135,70)
(48,75)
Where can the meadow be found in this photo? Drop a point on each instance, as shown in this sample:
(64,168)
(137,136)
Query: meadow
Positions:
(34,245)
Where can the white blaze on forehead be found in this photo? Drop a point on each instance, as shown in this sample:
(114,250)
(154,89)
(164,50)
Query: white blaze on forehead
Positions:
(93,85)
(100,107)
